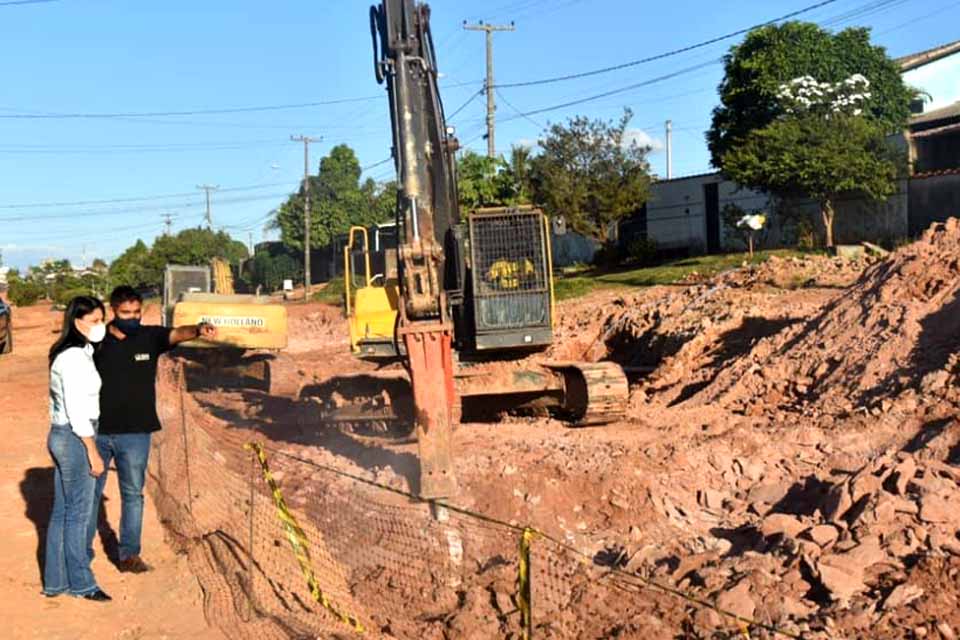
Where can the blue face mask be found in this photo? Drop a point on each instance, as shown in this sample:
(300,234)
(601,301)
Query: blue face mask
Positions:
(127,326)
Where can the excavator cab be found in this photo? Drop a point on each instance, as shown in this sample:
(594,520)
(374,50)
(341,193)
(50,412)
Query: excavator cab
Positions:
(371,299)
(508,302)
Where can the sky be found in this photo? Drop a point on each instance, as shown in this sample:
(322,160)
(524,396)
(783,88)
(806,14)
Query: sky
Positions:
(86,187)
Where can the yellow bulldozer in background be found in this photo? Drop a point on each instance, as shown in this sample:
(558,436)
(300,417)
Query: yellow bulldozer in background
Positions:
(252,329)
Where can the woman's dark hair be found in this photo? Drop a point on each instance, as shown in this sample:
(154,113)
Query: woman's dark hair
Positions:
(69,336)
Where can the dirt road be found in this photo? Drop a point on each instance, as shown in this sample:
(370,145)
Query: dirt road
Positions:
(166,603)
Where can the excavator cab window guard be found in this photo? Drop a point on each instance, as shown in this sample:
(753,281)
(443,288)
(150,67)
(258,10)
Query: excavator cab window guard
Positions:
(348,270)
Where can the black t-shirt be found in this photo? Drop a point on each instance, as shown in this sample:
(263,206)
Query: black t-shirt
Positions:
(128,371)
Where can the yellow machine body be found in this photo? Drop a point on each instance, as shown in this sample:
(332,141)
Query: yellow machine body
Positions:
(371,307)
(195,294)
(242,321)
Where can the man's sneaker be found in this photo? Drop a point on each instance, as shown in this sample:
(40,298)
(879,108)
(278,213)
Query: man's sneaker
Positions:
(134,564)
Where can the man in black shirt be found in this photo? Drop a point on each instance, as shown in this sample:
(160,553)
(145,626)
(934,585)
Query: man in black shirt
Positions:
(127,363)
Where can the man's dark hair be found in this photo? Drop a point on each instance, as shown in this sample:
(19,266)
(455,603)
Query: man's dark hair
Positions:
(124,293)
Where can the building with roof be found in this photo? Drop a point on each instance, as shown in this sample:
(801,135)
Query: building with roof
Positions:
(685,214)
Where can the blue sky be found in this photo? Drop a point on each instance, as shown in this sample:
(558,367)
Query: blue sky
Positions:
(95,56)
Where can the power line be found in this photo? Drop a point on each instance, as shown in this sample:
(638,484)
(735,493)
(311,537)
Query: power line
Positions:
(11,3)
(376,164)
(613,92)
(465,104)
(195,112)
(79,203)
(519,112)
(868,9)
(48,149)
(925,16)
(667,54)
(166,206)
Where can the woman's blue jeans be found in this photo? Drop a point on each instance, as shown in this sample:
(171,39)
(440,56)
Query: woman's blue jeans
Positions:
(67,565)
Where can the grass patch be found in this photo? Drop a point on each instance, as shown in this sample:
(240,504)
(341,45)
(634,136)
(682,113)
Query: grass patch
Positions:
(671,272)
(332,293)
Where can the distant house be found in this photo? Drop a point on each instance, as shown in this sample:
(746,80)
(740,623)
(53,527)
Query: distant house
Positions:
(684,214)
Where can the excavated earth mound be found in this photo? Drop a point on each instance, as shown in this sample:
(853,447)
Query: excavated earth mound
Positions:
(890,340)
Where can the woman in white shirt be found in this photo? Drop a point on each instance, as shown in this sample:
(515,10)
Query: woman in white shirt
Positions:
(74,412)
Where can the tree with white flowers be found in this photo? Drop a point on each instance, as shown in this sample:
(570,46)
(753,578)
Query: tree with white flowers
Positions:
(795,124)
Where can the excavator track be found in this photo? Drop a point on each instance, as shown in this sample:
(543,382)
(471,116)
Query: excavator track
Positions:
(595,393)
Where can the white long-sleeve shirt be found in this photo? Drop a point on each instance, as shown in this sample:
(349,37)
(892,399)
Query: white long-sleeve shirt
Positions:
(75,391)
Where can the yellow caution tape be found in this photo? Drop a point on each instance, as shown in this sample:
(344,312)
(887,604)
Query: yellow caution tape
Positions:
(298,541)
(524,598)
(528,534)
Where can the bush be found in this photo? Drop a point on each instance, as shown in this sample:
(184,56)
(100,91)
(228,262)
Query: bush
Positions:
(608,256)
(806,234)
(269,272)
(332,293)
(24,293)
(643,251)
(63,296)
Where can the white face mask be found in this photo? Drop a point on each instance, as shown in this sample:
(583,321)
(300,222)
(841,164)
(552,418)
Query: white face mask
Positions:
(97,332)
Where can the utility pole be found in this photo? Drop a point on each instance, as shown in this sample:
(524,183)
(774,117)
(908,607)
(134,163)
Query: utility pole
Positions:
(491,106)
(250,240)
(306,140)
(669,149)
(207,188)
(167,223)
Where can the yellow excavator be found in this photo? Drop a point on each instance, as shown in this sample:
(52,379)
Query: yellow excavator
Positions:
(251,329)
(461,300)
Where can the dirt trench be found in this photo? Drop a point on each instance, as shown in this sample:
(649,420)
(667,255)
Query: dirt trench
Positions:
(789,456)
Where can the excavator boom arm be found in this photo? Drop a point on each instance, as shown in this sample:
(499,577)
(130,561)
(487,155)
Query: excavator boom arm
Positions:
(427,210)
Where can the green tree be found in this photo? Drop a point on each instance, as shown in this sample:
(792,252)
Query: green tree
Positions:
(130,268)
(486,182)
(520,172)
(337,201)
(140,266)
(590,174)
(381,199)
(773,55)
(817,157)
(23,292)
(192,247)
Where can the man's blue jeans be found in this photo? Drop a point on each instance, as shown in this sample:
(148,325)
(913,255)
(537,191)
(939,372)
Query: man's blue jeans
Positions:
(66,566)
(130,452)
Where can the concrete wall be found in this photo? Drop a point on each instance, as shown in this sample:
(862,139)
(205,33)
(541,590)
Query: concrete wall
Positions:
(856,220)
(676,216)
(933,199)
(675,213)
(570,248)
